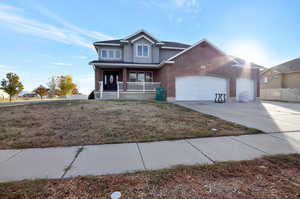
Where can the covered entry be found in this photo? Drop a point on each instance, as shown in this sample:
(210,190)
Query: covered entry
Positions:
(193,88)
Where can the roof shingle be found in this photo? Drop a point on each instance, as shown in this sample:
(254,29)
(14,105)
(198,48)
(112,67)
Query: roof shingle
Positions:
(288,67)
(166,43)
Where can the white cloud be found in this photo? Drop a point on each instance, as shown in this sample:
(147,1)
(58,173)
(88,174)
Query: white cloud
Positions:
(61,64)
(8,7)
(188,6)
(5,69)
(187,3)
(88,33)
(12,18)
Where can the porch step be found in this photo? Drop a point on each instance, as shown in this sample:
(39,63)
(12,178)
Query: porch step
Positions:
(109,95)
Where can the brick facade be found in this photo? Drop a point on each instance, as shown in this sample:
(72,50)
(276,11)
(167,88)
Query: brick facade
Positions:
(204,59)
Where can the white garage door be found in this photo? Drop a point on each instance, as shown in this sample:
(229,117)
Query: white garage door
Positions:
(244,89)
(191,88)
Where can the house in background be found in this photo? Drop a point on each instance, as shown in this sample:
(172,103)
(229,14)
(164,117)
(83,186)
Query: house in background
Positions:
(134,66)
(3,95)
(285,75)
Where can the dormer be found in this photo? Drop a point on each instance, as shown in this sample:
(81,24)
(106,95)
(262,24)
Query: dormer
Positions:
(142,47)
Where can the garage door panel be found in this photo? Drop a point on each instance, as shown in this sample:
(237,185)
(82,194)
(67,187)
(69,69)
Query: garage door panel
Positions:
(244,89)
(193,88)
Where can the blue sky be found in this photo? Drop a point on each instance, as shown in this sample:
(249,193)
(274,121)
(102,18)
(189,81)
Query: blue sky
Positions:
(39,39)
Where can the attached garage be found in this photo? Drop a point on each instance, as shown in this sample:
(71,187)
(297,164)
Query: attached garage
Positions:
(244,89)
(193,88)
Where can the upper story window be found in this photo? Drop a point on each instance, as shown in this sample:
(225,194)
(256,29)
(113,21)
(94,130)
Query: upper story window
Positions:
(265,80)
(110,54)
(118,54)
(142,50)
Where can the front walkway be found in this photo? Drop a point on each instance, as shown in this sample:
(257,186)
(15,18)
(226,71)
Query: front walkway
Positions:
(63,162)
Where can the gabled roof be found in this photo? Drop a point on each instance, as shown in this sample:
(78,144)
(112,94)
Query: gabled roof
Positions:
(115,41)
(237,61)
(286,67)
(196,44)
(175,44)
(166,43)
(144,34)
(139,32)
(244,62)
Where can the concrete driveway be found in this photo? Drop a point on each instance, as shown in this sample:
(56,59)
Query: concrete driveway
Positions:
(267,116)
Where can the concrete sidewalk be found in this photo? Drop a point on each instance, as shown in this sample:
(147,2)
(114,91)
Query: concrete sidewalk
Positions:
(62,162)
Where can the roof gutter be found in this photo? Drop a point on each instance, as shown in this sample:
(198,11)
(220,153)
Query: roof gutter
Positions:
(106,44)
(136,65)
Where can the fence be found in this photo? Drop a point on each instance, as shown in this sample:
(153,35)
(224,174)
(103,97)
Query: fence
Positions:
(282,94)
(76,97)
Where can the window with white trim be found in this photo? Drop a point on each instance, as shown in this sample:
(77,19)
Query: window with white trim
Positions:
(110,54)
(141,76)
(118,54)
(142,50)
(103,53)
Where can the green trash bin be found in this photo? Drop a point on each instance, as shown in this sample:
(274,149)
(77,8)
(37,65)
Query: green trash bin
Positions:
(160,94)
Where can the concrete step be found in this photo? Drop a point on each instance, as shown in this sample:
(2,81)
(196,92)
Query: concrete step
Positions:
(109,95)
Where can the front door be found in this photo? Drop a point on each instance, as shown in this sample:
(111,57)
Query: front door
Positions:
(110,81)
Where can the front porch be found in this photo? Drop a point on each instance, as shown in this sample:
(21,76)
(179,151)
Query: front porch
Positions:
(126,83)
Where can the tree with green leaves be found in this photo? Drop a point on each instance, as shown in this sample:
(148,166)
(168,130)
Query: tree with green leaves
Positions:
(11,85)
(75,91)
(65,85)
(41,91)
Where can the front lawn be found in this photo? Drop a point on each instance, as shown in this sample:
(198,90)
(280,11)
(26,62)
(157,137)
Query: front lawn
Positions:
(264,178)
(97,122)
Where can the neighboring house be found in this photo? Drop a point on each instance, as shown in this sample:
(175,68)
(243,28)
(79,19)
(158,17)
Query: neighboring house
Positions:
(30,95)
(133,67)
(285,75)
(3,95)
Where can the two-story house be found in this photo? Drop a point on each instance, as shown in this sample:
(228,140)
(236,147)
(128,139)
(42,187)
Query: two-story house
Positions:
(134,66)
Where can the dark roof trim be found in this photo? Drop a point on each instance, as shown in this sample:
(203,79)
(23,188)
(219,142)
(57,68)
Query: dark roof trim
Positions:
(196,44)
(129,65)
(141,31)
(166,44)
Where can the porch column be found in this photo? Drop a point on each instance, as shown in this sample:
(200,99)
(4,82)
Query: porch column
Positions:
(125,78)
(98,77)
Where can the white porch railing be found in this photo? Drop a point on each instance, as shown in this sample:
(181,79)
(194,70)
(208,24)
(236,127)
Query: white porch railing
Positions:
(142,86)
(99,93)
(120,87)
(131,86)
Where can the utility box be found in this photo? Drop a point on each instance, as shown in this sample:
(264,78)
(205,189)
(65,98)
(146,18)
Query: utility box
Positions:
(160,94)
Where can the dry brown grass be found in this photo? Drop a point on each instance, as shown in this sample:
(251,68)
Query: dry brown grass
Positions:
(265,178)
(97,122)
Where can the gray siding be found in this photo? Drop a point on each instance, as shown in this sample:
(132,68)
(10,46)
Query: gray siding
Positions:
(128,53)
(108,48)
(166,54)
(142,59)
(155,54)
